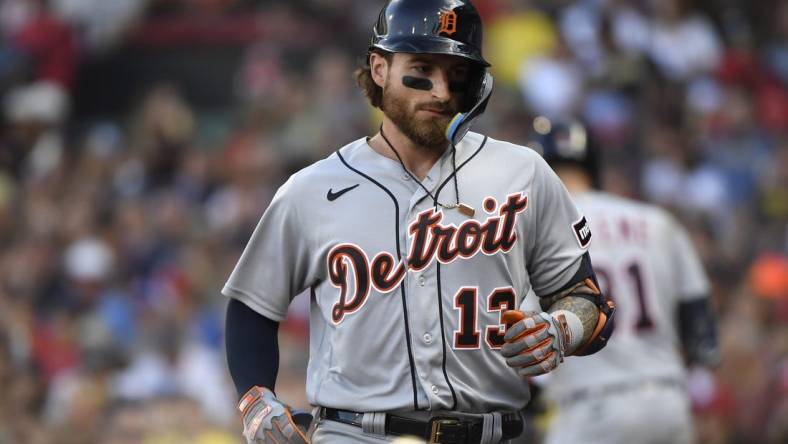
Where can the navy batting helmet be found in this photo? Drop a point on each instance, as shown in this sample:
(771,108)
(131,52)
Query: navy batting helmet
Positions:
(450,27)
(566,142)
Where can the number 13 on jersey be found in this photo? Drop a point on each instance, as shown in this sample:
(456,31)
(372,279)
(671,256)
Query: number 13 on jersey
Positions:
(468,335)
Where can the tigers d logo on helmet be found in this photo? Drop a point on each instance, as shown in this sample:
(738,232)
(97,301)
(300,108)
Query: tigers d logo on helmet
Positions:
(451,27)
(448,22)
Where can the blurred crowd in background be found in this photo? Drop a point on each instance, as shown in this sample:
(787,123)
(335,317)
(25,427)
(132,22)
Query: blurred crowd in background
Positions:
(141,141)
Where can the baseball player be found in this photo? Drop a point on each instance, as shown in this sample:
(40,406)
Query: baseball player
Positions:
(645,262)
(418,245)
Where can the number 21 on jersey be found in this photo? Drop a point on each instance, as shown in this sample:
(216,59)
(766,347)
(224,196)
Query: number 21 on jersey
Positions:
(628,283)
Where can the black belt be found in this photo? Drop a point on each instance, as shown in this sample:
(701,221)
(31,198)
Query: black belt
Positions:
(438,429)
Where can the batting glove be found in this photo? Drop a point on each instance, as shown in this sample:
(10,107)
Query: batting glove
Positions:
(269,421)
(535,343)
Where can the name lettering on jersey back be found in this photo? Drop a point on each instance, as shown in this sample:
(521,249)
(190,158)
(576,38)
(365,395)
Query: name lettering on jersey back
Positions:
(620,230)
(429,240)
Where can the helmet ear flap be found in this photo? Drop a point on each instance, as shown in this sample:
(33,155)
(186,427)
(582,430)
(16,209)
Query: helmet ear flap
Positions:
(461,122)
(473,88)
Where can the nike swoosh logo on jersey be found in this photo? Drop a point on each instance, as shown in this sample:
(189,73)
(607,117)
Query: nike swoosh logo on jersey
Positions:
(332,196)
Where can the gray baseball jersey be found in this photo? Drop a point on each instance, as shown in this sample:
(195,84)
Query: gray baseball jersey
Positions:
(407,296)
(646,263)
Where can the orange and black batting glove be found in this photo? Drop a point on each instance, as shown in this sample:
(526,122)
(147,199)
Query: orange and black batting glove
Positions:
(269,421)
(535,343)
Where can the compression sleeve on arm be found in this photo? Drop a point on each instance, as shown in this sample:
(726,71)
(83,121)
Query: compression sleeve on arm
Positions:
(252,347)
(698,330)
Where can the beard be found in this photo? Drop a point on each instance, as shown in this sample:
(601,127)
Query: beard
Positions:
(430,132)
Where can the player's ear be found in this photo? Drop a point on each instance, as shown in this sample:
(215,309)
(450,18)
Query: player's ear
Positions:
(379,66)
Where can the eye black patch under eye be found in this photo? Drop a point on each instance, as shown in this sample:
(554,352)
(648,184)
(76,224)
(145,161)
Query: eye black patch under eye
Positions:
(417,83)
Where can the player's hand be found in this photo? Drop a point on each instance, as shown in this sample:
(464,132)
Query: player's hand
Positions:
(269,421)
(535,343)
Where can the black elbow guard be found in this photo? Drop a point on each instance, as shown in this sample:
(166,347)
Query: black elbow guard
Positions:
(584,285)
(607,310)
(698,332)
(604,328)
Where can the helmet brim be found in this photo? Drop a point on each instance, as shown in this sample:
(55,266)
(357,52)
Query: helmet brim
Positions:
(430,45)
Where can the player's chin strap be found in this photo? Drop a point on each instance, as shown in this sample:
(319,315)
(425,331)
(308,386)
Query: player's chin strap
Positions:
(461,123)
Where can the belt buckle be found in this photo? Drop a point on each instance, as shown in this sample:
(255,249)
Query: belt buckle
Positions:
(442,429)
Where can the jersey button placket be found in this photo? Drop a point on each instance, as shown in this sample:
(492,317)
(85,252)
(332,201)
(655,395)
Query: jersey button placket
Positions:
(422,299)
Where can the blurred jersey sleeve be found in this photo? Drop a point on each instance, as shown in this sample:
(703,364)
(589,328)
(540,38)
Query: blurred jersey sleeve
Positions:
(276,264)
(559,235)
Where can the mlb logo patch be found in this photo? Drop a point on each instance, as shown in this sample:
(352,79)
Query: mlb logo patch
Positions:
(582,232)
